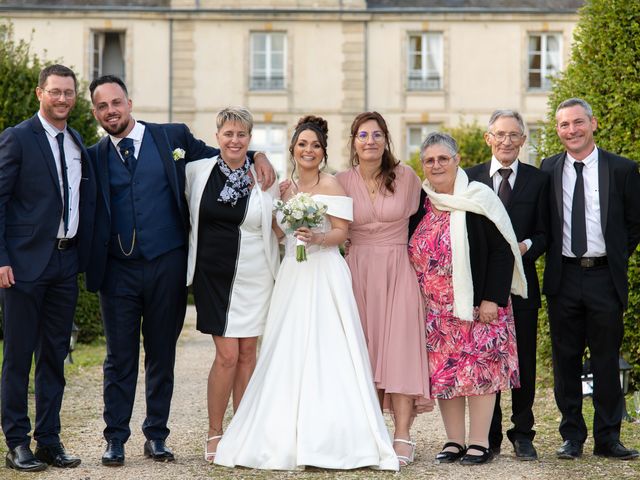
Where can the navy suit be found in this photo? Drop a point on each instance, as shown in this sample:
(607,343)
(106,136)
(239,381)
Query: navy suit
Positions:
(586,304)
(39,308)
(528,210)
(141,276)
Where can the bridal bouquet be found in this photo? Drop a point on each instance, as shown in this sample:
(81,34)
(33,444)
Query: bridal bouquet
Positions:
(301,211)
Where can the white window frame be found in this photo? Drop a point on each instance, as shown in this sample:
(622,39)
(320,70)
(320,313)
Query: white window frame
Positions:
(273,148)
(425,129)
(544,54)
(97,49)
(430,74)
(271,78)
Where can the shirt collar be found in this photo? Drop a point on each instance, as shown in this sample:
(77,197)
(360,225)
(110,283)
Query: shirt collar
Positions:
(589,161)
(496,165)
(50,129)
(136,134)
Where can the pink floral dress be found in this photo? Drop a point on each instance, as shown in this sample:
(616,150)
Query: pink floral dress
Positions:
(465,358)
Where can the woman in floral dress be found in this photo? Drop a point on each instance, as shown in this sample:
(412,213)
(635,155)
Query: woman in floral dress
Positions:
(463,250)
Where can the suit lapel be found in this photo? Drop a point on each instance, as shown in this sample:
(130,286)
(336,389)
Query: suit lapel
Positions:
(47,154)
(557,186)
(166,155)
(520,183)
(603,188)
(484,175)
(102,162)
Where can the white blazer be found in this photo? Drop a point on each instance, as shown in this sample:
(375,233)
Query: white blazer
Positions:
(197,174)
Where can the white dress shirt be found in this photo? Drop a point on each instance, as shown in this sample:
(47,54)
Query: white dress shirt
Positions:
(595,238)
(497,180)
(136,134)
(73,159)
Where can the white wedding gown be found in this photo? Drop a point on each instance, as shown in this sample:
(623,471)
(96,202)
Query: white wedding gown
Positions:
(311,399)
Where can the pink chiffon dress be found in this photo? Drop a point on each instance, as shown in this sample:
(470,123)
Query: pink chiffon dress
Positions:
(384,283)
(465,358)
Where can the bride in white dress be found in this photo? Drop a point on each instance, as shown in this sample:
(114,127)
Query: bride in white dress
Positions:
(311,400)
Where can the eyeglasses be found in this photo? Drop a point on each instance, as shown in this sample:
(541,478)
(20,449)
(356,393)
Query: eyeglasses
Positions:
(363,137)
(501,136)
(58,93)
(443,161)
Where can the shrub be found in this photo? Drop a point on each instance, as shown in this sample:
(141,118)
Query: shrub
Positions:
(604,70)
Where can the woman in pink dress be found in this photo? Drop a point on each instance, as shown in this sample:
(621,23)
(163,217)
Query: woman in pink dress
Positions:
(464,251)
(385,194)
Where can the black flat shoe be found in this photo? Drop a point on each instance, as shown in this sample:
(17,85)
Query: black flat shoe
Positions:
(22,458)
(113,456)
(450,457)
(468,459)
(157,450)
(524,449)
(616,451)
(570,450)
(56,455)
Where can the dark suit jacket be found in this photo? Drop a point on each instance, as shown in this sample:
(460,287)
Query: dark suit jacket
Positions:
(490,256)
(167,137)
(31,201)
(619,193)
(529,213)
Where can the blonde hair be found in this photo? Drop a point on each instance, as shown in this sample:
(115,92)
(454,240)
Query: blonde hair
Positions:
(235,114)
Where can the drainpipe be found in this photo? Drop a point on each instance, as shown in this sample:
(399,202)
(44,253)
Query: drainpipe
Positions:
(170,70)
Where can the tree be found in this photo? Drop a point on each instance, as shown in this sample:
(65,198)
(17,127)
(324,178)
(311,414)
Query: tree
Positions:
(604,70)
(19,70)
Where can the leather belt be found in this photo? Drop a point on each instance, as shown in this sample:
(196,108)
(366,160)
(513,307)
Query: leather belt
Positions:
(65,243)
(586,262)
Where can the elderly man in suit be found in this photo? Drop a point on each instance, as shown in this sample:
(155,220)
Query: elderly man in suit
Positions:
(47,199)
(594,228)
(139,259)
(524,191)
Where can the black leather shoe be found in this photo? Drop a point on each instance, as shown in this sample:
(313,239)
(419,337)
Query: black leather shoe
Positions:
(450,457)
(56,456)
(616,450)
(21,458)
(570,450)
(468,459)
(157,450)
(113,456)
(495,449)
(525,450)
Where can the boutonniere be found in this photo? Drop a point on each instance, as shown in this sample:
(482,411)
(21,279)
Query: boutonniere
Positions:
(178,154)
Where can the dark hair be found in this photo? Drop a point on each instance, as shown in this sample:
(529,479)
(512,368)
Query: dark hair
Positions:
(572,102)
(58,70)
(389,162)
(107,79)
(319,126)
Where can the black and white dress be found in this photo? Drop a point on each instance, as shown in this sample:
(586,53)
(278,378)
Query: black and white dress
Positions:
(233,254)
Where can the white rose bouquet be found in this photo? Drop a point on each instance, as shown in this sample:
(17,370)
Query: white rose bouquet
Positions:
(301,211)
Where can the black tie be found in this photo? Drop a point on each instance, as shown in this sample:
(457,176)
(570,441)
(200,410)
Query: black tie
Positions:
(578,221)
(126,150)
(504,190)
(65,183)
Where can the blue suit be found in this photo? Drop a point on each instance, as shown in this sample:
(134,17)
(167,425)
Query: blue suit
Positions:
(141,276)
(39,308)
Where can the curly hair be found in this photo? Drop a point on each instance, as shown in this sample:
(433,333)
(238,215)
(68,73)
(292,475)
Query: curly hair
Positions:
(319,126)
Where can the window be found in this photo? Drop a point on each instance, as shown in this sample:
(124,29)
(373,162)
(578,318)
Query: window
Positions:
(533,139)
(416,135)
(107,54)
(268,54)
(544,59)
(271,139)
(425,61)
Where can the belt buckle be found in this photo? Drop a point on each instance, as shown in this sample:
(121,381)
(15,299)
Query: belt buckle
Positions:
(62,243)
(587,262)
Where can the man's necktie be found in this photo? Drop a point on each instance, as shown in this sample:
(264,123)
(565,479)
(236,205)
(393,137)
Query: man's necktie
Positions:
(126,150)
(65,183)
(578,221)
(504,190)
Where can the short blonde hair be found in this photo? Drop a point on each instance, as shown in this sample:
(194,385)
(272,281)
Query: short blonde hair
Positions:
(235,114)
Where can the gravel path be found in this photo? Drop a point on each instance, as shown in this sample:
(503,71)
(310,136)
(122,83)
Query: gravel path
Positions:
(82,434)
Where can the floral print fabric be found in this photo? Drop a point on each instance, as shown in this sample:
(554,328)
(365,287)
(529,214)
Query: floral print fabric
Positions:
(465,358)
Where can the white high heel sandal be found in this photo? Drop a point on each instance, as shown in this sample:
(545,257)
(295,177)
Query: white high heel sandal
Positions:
(210,456)
(403,459)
